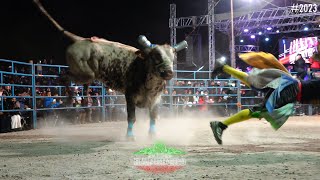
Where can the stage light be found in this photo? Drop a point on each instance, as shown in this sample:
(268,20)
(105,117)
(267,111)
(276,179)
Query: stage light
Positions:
(223,59)
(269,28)
(260,33)
(266,39)
(305,28)
(252,36)
(241,40)
(246,30)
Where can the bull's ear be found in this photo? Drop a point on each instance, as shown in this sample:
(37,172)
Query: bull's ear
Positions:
(140,54)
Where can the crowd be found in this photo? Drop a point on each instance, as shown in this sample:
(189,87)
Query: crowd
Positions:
(220,96)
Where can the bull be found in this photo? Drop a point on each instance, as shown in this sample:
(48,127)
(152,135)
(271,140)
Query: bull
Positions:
(139,74)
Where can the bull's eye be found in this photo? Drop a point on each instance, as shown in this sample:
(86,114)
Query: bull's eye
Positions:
(157,61)
(157,58)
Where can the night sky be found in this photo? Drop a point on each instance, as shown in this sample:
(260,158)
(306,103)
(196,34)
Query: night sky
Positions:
(26,34)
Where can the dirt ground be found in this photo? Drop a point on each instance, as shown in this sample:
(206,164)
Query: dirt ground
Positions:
(251,150)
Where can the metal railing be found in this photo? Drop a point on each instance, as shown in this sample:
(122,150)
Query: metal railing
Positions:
(38,78)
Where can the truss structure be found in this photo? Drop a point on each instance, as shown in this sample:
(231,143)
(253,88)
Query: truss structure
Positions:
(212,40)
(281,19)
(264,21)
(246,48)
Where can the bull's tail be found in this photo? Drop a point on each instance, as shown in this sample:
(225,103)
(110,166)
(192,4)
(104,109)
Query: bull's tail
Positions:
(70,35)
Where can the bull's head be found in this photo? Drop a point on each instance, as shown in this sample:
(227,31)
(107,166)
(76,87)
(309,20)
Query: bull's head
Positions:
(161,57)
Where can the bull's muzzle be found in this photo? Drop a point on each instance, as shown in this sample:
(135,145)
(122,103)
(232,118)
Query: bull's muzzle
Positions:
(166,74)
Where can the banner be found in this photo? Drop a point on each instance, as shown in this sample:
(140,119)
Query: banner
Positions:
(289,48)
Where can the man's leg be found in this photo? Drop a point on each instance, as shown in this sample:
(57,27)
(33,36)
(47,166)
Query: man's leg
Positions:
(218,127)
(242,76)
(220,67)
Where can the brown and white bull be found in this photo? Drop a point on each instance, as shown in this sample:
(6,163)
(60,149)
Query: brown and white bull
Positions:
(140,74)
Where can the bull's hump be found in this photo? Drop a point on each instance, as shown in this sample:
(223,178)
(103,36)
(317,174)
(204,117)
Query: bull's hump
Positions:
(104,42)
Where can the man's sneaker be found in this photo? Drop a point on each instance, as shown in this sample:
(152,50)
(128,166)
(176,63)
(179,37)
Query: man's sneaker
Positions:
(217,129)
(218,68)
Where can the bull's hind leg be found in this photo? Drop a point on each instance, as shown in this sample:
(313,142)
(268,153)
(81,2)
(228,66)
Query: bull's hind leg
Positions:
(153,117)
(86,89)
(131,111)
(65,79)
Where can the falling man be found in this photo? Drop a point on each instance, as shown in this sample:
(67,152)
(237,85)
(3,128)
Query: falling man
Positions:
(280,88)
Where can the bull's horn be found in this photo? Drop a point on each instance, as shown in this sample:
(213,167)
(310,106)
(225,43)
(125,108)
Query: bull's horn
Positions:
(180,46)
(144,42)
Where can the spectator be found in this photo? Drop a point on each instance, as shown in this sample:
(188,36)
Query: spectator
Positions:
(88,103)
(165,98)
(202,104)
(196,97)
(96,112)
(1,92)
(81,113)
(300,67)
(15,115)
(174,97)
(39,68)
(314,65)
(50,102)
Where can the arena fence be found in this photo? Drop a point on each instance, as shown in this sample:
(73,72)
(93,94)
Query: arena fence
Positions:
(30,83)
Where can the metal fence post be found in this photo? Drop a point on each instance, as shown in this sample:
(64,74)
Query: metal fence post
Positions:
(59,72)
(239,95)
(1,81)
(309,109)
(34,111)
(170,94)
(103,103)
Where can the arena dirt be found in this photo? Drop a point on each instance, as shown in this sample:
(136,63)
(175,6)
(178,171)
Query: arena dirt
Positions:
(251,150)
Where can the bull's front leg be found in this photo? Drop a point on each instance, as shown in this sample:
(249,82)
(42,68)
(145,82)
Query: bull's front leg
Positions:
(131,111)
(153,118)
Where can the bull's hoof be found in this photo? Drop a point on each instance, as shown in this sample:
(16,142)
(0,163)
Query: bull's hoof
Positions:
(131,138)
(152,133)
(152,136)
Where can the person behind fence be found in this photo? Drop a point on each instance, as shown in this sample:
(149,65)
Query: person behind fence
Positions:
(96,112)
(300,67)
(88,102)
(314,66)
(1,99)
(50,102)
(81,113)
(15,115)
(165,98)
(281,89)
